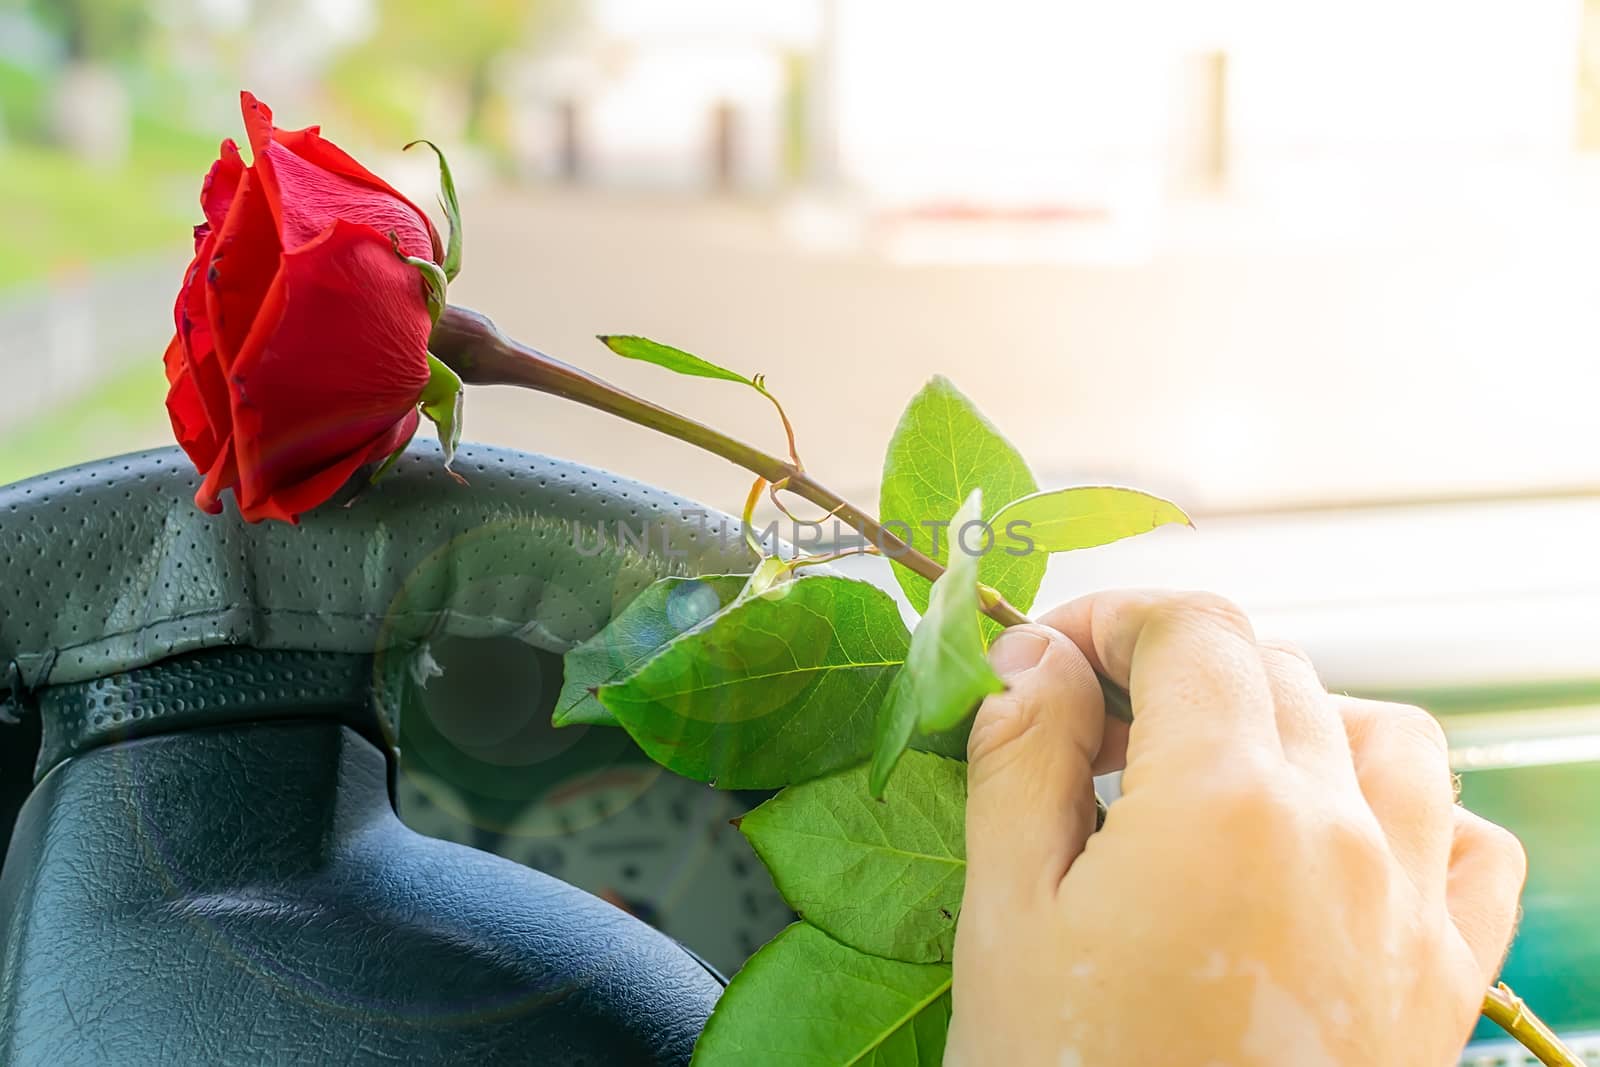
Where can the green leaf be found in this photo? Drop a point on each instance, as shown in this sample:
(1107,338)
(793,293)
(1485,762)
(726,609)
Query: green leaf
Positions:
(674,359)
(389,461)
(884,877)
(941,451)
(770,572)
(805,1000)
(1061,520)
(433,277)
(658,614)
(452,211)
(441,404)
(946,673)
(777,688)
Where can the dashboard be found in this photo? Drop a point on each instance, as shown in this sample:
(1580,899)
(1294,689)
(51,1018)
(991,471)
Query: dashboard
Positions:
(482,766)
(1486,613)
(658,846)
(1436,605)
(1429,605)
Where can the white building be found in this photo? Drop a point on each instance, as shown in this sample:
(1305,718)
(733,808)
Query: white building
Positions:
(1071,106)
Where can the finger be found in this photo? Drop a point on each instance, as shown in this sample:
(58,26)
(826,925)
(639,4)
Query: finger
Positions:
(1191,666)
(1487,870)
(1309,727)
(1113,754)
(1030,793)
(1403,766)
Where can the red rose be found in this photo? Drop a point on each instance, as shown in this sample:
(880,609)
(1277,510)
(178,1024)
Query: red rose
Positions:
(302,337)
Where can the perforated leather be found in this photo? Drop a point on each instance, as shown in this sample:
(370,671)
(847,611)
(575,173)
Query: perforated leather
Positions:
(109,566)
(235,888)
(210,688)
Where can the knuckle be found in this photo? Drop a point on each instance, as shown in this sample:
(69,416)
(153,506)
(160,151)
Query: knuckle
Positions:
(1291,672)
(1252,822)
(1512,853)
(1287,650)
(1417,723)
(1248,797)
(1357,844)
(1497,841)
(1207,609)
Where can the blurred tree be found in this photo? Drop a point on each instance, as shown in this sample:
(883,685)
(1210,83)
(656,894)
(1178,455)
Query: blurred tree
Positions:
(459,46)
(95,30)
(91,114)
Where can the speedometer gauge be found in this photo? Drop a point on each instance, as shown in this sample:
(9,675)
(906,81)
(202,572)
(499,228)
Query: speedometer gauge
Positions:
(654,844)
(481,765)
(661,847)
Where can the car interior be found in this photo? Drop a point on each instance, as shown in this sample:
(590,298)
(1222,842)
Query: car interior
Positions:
(475,761)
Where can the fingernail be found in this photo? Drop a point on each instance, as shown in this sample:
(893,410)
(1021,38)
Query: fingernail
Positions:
(1015,651)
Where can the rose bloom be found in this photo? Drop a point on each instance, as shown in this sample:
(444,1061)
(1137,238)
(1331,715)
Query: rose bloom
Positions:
(302,336)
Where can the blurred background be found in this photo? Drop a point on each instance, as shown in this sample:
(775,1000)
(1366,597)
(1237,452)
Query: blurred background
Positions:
(1325,274)
(1252,255)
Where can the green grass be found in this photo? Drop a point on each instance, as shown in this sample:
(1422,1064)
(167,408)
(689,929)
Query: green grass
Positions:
(63,213)
(24,98)
(123,413)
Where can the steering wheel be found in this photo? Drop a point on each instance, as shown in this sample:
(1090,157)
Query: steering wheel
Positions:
(208,867)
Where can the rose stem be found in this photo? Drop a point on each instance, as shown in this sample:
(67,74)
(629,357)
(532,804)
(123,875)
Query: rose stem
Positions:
(475,348)
(1506,1010)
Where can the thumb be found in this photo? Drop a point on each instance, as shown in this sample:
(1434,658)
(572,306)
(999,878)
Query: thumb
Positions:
(1030,789)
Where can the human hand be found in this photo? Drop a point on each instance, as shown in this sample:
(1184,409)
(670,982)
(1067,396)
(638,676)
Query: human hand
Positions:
(1286,879)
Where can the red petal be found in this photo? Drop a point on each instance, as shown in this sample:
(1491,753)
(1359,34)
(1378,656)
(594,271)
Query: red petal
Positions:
(217,191)
(257,122)
(243,261)
(315,391)
(180,306)
(195,338)
(172,359)
(223,474)
(399,435)
(188,414)
(310,146)
(310,199)
(290,502)
(311,182)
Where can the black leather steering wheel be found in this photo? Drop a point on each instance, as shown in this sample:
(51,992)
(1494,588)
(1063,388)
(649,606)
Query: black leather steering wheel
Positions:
(209,868)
